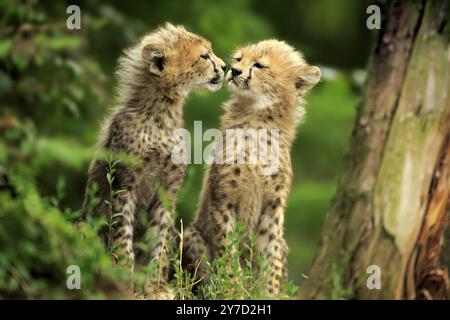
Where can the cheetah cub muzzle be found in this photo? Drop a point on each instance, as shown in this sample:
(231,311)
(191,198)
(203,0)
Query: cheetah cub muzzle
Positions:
(268,81)
(154,78)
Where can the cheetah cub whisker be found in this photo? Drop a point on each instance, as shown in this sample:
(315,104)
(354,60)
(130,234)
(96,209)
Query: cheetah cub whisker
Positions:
(154,77)
(268,81)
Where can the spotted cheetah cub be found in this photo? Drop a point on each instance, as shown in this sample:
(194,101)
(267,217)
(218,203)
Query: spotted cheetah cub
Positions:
(154,78)
(268,81)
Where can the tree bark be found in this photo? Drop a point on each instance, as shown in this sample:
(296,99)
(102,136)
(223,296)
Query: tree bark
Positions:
(392,204)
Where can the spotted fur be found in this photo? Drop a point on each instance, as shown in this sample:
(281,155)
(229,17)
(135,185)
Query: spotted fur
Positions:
(154,78)
(268,89)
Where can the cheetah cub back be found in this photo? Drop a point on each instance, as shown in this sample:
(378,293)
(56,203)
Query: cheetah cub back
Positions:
(268,81)
(154,78)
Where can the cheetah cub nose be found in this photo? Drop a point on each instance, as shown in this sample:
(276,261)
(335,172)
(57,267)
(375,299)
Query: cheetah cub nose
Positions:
(223,67)
(235,72)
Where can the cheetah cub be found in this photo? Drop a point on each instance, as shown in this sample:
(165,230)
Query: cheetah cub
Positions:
(154,78)
(268,81)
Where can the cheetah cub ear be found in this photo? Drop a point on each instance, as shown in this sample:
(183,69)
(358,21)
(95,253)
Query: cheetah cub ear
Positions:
(308,78)
(154,57)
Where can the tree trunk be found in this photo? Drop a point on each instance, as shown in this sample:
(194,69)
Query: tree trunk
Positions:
(392,204)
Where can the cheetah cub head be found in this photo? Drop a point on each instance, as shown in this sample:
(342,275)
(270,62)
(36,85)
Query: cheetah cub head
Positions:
(269,71)
(177,58)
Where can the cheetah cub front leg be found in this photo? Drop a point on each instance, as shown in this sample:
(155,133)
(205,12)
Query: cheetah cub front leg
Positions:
(162,229)
(270,243)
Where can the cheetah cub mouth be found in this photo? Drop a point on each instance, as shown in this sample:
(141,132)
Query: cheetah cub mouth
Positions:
(235,83)
(215,83)
(216,80)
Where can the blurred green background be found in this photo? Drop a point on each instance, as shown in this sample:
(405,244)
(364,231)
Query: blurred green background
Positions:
(56,86)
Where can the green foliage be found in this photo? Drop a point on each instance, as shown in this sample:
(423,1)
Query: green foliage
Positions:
(38,243)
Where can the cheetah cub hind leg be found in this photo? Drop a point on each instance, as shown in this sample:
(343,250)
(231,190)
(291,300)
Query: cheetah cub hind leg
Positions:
(196,254)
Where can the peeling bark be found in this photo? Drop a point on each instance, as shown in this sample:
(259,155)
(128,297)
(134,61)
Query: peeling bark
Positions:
(429,278)
(391,207)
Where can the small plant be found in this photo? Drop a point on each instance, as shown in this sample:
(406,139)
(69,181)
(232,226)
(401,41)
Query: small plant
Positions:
(183,282)
(234,275)
(113,217)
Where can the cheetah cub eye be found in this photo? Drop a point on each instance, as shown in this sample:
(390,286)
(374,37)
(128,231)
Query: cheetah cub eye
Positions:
(260,65)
